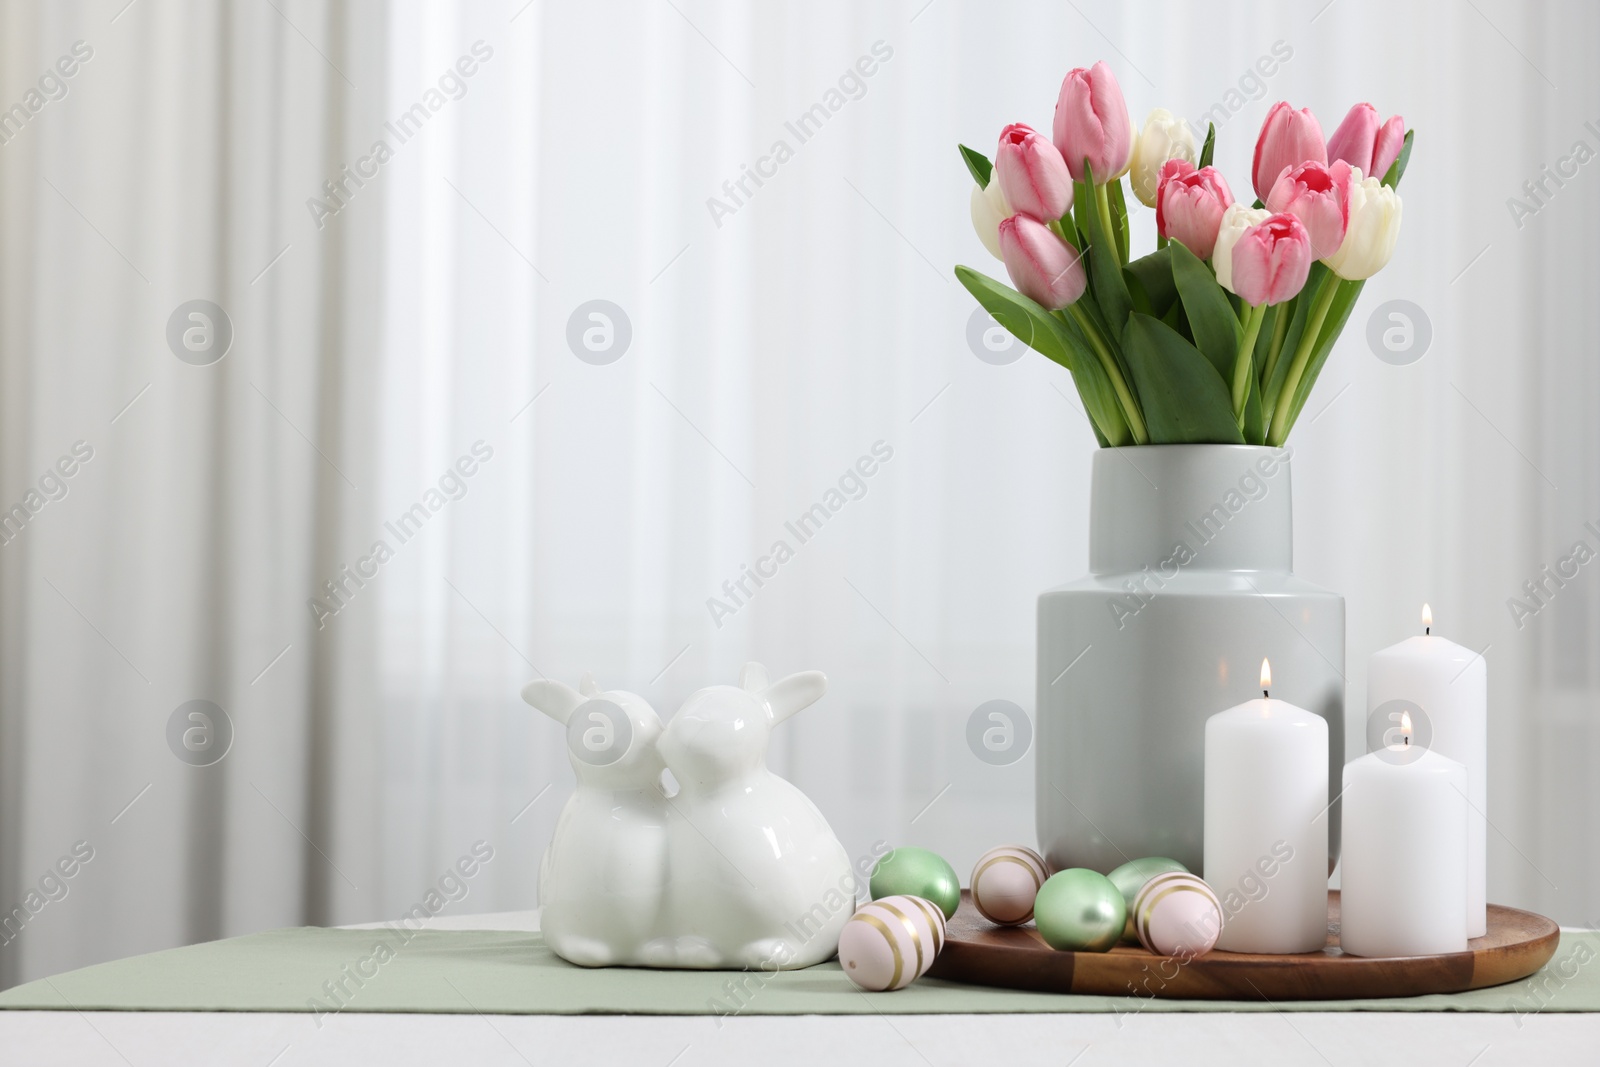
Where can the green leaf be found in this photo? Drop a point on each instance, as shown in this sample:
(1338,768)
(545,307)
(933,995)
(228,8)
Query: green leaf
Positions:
(1344,302)
(1210,146)
(1113,338)
(1095,389)
(1155,275)
(1119,218)
(1299,309)
(1264,339)
(1211,318)
(1136,292)
(1397,169)
(1183,399)
(1255,419)
(1059,341)
(1082,208)
(1069,230)
(978,164)
(1110,291)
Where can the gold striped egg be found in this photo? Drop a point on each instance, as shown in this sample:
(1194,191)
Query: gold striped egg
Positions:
(1177,914)
(1005,881)
(890,942)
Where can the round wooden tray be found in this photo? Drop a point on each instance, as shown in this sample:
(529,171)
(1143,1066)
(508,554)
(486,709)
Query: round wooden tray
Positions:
(978,952)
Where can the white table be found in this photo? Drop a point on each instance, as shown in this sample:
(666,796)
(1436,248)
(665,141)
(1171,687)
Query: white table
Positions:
(121,1039)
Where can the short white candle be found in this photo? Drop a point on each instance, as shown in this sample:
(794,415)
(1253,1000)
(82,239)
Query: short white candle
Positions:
(1450,685)
(1403,869)
(1266,824)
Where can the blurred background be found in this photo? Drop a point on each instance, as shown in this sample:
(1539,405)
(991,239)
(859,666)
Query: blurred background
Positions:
(240,343)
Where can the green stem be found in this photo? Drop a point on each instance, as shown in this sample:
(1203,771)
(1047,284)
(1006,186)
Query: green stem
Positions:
(1280,329)
(1302,356)
(1102,204)
(1116,431)
(1130,409)
(1241,362)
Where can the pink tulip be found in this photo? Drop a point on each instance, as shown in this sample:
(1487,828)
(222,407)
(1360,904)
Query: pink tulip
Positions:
(1287,137)
(1032,174)
(1189,205)
(1318,194)
(1042,266)
(1271,260)
(1365,143)
(1092,123)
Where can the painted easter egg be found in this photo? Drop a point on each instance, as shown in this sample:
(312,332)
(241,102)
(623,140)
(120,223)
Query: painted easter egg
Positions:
(916,872)
(889,943)
(1177,914)
(1131,877)
(1079,910)
(1005,881)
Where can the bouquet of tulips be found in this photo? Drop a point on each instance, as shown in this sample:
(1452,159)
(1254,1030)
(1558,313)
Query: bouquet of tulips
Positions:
(1219,334)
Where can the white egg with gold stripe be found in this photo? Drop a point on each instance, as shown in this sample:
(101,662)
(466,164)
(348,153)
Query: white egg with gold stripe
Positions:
(1005,881)
(1177,914)
(891,942)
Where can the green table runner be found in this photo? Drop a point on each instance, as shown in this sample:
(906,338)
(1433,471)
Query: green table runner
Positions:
(317,970)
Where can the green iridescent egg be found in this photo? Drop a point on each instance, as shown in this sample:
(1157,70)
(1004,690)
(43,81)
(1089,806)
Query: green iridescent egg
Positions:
(1080,910)
(916,872)
(1131,877)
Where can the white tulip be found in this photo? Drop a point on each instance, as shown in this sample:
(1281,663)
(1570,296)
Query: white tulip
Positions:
(1164,137)
(1237,219)
(988,208)
(1374,224)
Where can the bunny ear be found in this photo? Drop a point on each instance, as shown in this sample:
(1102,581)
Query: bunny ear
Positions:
(791,694)
(587,685)
(753,678)
(555,699)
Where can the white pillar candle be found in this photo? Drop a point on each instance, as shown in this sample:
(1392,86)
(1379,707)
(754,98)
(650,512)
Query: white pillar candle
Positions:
(1266,824)
(1404,862)
(1449,684)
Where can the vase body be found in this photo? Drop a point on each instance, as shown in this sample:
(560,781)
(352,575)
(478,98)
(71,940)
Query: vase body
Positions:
(1190,586)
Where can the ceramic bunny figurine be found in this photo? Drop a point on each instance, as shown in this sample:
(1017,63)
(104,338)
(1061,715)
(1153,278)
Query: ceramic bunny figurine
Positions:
(602,881)
(757,877)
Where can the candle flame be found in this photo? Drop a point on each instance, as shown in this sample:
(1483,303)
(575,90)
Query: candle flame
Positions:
(1266,675)
(1405,723)
(1427,617)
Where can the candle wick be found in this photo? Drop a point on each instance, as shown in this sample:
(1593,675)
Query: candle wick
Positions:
(1264,695)
(1426,630)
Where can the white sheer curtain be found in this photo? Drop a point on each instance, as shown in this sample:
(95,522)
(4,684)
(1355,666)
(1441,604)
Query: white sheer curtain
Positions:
(175,166)
(775,340)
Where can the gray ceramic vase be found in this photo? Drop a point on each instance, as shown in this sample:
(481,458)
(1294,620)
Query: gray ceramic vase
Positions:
(1190,587)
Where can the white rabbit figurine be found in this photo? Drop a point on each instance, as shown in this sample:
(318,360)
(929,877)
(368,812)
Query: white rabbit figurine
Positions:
(758,878)
(603,879)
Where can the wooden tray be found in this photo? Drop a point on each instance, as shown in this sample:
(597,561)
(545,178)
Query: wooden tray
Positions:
(978,952)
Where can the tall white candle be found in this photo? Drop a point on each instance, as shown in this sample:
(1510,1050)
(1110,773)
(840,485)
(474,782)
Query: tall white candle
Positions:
(1449,684)
(1266,825)
(1403,869)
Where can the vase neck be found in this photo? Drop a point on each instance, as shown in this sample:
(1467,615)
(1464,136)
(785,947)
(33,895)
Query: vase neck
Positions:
(1201,507)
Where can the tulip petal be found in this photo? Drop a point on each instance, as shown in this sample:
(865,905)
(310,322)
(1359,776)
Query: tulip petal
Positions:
(1091,122)
(1288,138)
(1041,265)
(1386,148)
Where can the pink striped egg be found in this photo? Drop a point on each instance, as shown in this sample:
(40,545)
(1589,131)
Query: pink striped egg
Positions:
(889,943)
(1177,914)
(1005,881)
